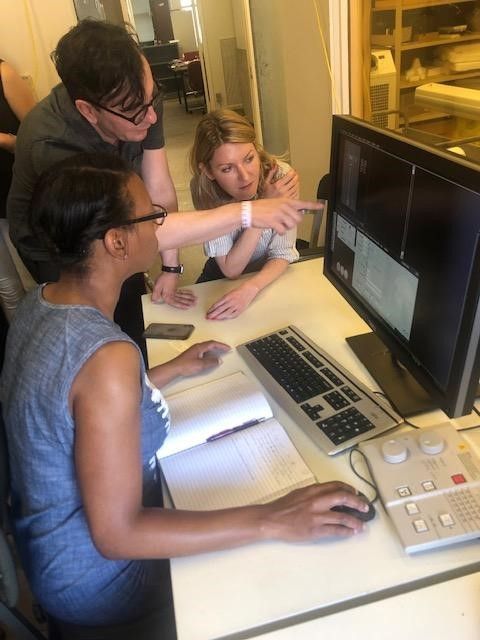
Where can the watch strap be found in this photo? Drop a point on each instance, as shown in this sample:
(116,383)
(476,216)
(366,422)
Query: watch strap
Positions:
(177,269)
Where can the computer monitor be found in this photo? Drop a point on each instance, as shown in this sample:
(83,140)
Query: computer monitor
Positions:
(402,247)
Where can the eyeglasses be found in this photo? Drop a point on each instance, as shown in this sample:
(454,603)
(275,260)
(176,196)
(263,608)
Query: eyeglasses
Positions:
(140,115)
(156,216)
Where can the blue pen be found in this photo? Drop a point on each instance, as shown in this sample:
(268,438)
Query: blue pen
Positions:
(227,432)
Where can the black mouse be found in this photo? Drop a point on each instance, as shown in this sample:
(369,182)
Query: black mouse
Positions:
(364,516)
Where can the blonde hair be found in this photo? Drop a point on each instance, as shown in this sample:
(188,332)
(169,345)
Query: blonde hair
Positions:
(214,129)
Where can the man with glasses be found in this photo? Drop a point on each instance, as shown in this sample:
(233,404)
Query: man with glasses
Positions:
(107,102)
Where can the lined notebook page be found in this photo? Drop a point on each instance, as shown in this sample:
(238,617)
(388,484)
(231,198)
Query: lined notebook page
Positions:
(252,466)
(207,409)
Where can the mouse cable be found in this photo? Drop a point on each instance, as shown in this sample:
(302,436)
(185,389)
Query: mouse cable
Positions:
(370,483)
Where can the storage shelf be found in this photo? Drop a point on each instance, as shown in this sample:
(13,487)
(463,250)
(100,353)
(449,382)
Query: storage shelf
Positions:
(388,6)
(404,53)
(421,44)
(426,117)
(475,73)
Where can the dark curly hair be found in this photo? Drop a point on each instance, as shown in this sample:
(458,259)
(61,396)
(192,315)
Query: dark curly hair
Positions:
(101,62)
(76,201)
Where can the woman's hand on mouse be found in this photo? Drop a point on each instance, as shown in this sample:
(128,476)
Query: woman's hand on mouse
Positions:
(305,514)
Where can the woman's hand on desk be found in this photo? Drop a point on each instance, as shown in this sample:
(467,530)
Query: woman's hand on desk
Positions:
(195,359)
(305,514)
(233,303)
(165,290)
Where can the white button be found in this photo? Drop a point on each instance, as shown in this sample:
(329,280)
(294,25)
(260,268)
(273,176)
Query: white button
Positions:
(428,485)
(446,520)
(412,508)
(394,451)
(404,492)
(431,443)
(420,526)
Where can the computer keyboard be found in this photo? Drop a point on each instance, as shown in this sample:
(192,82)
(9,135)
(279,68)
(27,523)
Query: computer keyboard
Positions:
(334,408)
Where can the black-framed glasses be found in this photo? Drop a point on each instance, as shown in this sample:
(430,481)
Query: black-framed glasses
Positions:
(138,116)
(156,216)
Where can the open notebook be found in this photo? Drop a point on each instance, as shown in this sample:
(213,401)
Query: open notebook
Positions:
(225,449)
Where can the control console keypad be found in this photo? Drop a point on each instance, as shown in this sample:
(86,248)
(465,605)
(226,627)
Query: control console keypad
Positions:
(465,505)
(429,482)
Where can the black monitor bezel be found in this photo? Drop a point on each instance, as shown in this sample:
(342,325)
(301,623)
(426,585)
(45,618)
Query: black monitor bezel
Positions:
(457,399)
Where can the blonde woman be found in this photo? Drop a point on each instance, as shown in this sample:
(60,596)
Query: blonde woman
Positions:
(229,165)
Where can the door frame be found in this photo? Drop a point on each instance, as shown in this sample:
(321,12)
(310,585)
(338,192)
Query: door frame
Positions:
(252,69)
(339,12)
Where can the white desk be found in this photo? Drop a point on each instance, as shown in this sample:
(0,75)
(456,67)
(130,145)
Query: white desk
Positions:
(444,611)
(265,587)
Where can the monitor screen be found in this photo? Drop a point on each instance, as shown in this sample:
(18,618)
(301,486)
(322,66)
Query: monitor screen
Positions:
(402,247)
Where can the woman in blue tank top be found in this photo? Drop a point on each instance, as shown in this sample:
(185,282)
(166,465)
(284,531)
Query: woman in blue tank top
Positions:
(84,422)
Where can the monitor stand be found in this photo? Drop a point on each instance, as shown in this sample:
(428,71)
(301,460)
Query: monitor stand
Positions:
(401,388)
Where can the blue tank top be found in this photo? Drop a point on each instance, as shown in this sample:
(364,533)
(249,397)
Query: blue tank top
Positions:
(47,346)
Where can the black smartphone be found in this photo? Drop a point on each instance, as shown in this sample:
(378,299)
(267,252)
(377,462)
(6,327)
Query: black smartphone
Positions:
(168,331)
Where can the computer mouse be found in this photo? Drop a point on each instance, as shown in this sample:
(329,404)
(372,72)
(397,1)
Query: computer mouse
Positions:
(364,516)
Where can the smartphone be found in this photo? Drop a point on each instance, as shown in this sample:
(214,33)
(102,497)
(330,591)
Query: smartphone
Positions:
(166,331)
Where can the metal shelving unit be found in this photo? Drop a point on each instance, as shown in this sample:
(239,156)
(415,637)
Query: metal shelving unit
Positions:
(404,52)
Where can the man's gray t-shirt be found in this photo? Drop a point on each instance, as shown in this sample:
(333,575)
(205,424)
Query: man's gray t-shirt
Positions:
(53,131)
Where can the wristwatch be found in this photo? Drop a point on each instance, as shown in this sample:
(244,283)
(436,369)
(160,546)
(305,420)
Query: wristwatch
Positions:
(178,269)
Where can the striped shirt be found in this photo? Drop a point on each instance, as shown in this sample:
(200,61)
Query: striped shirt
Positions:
(270,245)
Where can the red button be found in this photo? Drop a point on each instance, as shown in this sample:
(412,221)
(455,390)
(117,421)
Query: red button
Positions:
(458,478)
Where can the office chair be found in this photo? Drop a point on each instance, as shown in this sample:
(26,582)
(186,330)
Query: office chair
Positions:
(311,249)
(194,86)
(190,55)
(323,192)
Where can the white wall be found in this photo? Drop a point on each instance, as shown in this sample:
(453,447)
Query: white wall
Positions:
(309,101)
(295,86)
(308,94)
(182,23)
(267,40)
(29,32)
(217,19)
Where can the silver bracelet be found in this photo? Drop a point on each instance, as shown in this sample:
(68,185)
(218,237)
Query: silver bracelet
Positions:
(246,213)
